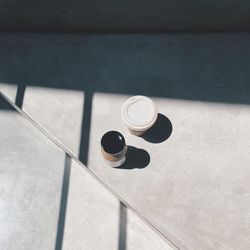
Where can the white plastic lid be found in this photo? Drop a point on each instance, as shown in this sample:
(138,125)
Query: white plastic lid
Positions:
(139,112)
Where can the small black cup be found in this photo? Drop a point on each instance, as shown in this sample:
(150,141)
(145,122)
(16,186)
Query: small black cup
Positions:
(114,148)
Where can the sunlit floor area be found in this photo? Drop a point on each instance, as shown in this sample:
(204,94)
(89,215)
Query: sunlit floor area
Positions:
(48,201)
(185,184)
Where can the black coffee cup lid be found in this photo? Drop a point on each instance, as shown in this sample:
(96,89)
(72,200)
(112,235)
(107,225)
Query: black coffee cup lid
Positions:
(113,142)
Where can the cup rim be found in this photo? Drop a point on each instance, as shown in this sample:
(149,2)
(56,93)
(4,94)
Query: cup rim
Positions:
(123,141)
(131,125)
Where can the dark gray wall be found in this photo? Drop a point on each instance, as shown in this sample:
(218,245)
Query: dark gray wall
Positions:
(124,15)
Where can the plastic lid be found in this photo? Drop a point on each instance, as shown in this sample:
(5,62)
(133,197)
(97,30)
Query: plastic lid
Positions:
(139,112)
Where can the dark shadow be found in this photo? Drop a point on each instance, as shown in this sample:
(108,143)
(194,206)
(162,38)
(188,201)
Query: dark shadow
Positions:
(20,95)
(96,15)
(136,158)
(63,203)
(108,31)
(161,130)
(197,67)
(85,130)
(122,227)
(4,104)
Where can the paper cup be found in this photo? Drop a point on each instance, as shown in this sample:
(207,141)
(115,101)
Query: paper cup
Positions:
(113,148)
(139,113)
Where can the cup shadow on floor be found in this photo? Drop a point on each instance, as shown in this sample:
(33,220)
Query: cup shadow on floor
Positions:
(136,158)
(161,130)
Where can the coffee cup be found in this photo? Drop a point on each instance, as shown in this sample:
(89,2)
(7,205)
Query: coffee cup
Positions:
(113,148)
(139,113)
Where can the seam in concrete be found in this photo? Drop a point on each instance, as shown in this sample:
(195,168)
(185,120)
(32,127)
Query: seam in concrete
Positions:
(52,138)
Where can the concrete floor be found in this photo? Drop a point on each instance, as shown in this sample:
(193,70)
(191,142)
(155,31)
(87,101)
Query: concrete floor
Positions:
(48,201)
(191,180)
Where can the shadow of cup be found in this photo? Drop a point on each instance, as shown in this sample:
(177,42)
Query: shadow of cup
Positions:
(136,158)
(161,130)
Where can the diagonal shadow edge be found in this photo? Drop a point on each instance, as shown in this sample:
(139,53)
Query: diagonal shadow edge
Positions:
(166,238)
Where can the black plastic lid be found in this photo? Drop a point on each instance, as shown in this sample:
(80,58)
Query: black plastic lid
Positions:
(112,142)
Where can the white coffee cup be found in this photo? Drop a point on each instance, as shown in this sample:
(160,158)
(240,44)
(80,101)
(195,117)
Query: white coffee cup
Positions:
(139,113)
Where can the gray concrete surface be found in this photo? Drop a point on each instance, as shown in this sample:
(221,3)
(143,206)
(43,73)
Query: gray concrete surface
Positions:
(47,200)
(147,15)
(31,170)
(194,188)
(205,67)
(192,182)
(68,118)
(95,219)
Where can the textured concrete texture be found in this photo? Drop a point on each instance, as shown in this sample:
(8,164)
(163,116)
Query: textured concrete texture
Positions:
(71,102)
(191,179)
(147,15)
(192,186)
(95,219)
(48,201)
(31,170)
